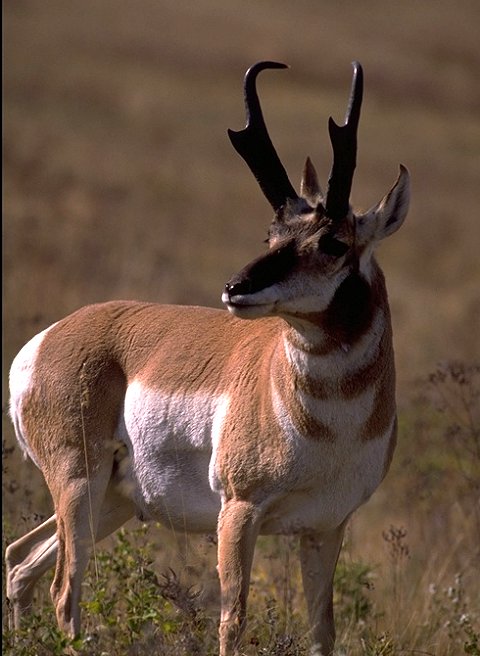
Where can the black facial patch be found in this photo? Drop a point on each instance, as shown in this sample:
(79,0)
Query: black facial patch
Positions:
(331,246)
(351,310)
(264,272)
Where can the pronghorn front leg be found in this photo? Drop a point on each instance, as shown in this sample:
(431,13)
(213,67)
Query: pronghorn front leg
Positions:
(318,556)
(238,525)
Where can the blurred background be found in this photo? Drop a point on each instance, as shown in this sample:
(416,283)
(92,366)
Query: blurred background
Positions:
(120,180)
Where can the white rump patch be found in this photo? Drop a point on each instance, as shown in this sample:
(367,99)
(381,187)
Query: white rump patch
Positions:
(21,376)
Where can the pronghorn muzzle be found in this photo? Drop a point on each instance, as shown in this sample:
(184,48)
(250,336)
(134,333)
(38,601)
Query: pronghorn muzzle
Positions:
(263,272)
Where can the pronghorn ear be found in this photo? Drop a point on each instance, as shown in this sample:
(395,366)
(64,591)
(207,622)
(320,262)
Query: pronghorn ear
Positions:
(309,186)
(388,215)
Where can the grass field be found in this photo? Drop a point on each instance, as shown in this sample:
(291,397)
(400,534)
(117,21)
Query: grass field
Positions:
(120,182)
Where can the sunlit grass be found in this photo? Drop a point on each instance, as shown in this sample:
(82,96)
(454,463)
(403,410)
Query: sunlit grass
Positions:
(414,590)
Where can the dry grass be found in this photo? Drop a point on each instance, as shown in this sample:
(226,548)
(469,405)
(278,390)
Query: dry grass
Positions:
(120,182)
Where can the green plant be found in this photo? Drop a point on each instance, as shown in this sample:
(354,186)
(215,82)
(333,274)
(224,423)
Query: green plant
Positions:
(454,389)
(39,635)
(450,610)
(352,582)
(155,610)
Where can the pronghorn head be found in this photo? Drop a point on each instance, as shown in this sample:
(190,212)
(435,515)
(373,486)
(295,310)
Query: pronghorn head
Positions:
(316,242)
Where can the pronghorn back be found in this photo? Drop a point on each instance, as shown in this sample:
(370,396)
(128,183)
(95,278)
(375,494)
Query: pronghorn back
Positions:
(194,417)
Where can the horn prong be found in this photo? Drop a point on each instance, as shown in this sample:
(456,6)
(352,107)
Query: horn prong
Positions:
(344,144)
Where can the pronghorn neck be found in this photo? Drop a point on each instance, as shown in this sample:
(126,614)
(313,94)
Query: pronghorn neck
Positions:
(312,350)
(317,367)
(348,319)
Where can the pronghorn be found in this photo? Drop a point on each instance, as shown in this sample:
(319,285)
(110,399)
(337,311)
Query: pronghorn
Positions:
(281,425)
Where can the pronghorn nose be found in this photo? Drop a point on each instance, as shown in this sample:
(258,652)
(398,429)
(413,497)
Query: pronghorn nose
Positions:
(239,287)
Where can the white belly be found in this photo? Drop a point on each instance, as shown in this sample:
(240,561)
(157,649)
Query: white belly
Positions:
(170,439)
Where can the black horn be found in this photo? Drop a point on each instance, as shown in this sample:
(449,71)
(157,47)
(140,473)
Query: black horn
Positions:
(253,143)
(344,144)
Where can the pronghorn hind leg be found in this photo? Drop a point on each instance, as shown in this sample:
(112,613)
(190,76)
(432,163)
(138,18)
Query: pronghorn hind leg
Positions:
(318,556)
(26,560)
(29,557)
(237,533)
(78,503)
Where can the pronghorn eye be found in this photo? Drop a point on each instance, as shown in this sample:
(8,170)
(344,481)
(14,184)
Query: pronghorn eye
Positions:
(331,246)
